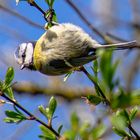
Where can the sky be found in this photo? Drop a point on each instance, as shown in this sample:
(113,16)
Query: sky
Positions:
(26,32)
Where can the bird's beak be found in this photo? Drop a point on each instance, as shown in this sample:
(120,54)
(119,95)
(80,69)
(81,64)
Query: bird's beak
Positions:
(22,67)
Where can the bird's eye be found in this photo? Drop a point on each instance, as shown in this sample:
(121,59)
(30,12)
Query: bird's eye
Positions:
(23,55)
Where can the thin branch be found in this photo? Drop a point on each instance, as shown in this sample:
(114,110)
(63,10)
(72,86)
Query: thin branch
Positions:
(108,103)
(11,12)
(32,117)
(95,84)
(48,18)
(33,3)
(116,21)
(75,8)
(134,132)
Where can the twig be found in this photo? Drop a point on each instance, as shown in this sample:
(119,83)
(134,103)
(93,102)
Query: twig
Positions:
(33,3)
(9,11)
(95,84)
(117,21)
(75,8)
(22,130)
(134,132)
(32,117)
(51,12)
(108,103)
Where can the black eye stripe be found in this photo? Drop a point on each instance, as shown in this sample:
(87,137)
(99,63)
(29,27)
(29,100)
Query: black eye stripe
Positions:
(23,55)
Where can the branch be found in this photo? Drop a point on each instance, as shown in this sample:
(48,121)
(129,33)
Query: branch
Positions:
(107,101)
(95,84)
(115,20)
(33,3)
(134,132)
(11,12)
(100,34)
(48,18)
(67,93)
(32,117)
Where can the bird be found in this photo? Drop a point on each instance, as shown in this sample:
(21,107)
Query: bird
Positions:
(61,49)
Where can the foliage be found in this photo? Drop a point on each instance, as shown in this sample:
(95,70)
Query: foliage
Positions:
(121,117)
(121,106)
(84,131)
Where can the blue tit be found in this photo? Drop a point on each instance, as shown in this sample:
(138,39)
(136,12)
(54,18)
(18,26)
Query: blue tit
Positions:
(60,49)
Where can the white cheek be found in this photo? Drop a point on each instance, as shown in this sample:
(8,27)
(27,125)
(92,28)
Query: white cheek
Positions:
(22,48)
(29,53)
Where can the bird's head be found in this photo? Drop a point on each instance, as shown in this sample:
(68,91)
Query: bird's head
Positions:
(24,55)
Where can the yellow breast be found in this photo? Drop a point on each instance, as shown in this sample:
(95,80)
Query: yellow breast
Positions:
(39,56)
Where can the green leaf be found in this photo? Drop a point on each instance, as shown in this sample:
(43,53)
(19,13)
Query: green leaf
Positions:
(70,135)
(12,114)
(13,117)
(9,92)
(51,108)
(50,3)
(133,113)
(119,122)
(122,100)
(93,99)
(48,134)
(135,98)
(42,110)
(42,137)
(121,132)
(12,120)
(9,76)
(74,122)
(123,113)
(98,131)
(108,69)
(45,138)
(95,68)
(60,128)
(54,17)
(1,84)
(84,130)
(49,111)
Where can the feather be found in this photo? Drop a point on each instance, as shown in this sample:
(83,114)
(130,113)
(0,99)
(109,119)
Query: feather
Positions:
(118,46)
